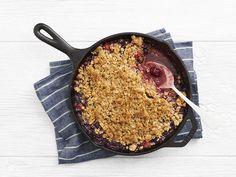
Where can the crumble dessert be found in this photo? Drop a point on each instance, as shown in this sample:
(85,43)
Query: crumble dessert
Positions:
(117,97)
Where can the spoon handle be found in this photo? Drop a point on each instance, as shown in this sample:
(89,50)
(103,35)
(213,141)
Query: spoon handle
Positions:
(188,101)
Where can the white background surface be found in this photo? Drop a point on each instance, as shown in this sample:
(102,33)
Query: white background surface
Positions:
(27,143)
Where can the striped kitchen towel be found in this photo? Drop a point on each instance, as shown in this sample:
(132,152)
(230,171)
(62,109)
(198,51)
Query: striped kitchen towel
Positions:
(52,91)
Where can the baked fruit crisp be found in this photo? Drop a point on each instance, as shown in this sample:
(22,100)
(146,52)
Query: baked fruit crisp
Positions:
(117,97)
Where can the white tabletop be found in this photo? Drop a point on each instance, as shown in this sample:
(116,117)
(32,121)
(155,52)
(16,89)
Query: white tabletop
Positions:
(27,142)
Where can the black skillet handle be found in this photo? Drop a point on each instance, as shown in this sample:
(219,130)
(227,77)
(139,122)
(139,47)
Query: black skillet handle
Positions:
(56,41)
(185,141)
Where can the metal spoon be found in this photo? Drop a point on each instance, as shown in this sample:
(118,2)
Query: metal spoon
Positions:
(166,78)
(169,83)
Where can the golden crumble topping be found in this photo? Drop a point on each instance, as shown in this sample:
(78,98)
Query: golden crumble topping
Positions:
(128,109)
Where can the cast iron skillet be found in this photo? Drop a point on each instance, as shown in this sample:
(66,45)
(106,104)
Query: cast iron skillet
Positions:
(77,55)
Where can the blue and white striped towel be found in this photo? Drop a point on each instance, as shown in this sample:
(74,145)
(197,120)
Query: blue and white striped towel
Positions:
(53,92)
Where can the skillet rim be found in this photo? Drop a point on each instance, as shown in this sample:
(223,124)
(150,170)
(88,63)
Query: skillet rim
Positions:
(76,64)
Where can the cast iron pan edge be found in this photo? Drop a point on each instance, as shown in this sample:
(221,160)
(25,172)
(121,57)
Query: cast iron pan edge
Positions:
(76,56)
